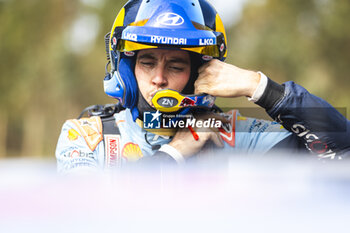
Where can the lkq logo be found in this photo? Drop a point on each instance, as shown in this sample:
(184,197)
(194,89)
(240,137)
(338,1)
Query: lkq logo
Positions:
(130,36)
(151,120)
(170,19)
(206,41)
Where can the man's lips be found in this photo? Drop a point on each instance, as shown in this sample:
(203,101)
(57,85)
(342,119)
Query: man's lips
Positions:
(153,93)
(151,97)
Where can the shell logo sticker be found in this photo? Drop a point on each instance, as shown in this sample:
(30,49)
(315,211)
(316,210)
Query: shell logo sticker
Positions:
(73,135)
(132,152)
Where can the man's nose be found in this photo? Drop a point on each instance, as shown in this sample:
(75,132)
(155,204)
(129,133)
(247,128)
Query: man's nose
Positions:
(160,79)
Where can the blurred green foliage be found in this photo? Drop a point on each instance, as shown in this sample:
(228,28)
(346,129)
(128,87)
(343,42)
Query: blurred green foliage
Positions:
(49,73)
(304,41)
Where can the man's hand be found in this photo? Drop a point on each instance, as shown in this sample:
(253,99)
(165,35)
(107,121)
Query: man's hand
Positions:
(220,79)
(185,142)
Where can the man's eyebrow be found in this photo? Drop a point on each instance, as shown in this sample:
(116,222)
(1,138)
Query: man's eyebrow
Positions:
(172,59)
(147,56)
(178,60)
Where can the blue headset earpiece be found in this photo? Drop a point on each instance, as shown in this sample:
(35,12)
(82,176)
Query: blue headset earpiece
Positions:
(121,84)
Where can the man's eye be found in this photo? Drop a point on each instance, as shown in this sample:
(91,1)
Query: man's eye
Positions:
(147,64)
(176,68)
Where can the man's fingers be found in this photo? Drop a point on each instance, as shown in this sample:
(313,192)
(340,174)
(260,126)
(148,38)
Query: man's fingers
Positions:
(203,67)
(216,138)
(202,86)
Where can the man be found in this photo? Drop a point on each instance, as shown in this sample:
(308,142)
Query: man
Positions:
(180,45)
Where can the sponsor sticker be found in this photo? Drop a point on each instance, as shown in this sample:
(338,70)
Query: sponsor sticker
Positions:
(187,102)
(130,36)
(167,102)
(91,130)
(170,19)
(318,146)
(208,41)
(77,153)
(73,135)
(132,152)
(222,47)
(129,53)
(313,143)
(227,132)
(207,58)
(241,118)
(209,99)
(168,40)
(112,150)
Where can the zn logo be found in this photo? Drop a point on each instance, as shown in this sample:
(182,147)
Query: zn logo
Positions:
(167,102)
(170,19)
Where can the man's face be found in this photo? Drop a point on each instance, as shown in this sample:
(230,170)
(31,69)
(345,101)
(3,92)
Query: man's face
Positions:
(157,69)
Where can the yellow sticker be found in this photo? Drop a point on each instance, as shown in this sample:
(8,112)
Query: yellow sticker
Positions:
(241,118)
(132,152)
(73,135)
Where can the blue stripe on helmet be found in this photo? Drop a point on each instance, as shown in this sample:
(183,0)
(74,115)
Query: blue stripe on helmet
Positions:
(209,12)
(148,8)
(169,37)
(131,9)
